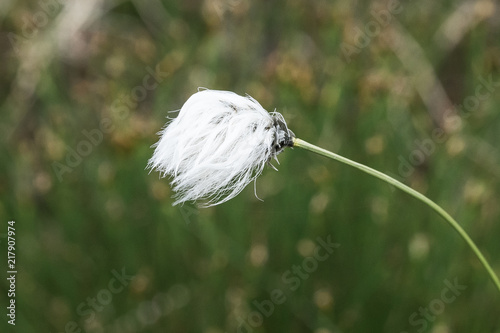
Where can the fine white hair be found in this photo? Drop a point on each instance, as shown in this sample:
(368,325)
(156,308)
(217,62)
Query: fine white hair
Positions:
(217,145)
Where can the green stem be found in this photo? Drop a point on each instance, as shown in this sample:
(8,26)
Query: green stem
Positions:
(315,149)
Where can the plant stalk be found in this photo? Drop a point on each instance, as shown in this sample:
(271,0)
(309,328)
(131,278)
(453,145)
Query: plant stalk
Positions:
(454,224)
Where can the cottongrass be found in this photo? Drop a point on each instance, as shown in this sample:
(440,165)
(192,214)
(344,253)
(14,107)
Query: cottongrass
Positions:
(218,144)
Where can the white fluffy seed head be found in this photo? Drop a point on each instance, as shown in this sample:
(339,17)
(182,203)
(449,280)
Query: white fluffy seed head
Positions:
(217,145)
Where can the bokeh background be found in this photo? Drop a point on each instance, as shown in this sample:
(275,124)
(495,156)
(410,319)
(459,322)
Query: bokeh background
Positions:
(411,88)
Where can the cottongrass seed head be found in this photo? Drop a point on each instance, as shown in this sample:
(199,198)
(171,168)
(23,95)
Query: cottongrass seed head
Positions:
(217,145)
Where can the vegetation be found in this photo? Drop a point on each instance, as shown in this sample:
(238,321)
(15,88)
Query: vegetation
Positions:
(409,88)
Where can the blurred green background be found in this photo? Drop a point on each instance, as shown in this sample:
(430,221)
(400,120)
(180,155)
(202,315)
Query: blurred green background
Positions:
(410,88)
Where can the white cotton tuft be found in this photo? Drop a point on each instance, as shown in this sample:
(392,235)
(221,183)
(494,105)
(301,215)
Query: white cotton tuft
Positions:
(217,145)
